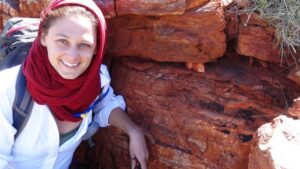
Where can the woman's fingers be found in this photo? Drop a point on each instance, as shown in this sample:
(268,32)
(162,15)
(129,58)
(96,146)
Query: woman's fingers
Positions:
(143,164)
(143,159)
(133,163)
(138,149)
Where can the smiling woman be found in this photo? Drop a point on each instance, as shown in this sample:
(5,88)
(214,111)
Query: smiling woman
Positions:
(70,52)
(65,77)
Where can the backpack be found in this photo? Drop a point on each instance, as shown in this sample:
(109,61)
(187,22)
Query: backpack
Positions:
(15,42)
(16,39)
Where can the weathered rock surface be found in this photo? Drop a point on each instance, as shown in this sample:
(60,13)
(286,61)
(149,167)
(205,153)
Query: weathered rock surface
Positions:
(145,7)
(253,37)
(195,120)
(294,73)
(195,36)
(32,8)
(107,7)
(156,7)
(277,145)
(294,110)
(257,42)
(7,11)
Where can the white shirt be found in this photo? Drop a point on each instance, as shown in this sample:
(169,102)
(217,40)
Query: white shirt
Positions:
(37,146)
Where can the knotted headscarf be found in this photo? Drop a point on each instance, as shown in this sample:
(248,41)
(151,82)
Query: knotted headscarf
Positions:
(64,97)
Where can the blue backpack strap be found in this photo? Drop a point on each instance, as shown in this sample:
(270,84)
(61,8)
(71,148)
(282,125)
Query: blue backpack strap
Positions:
(22,105)
(93,126)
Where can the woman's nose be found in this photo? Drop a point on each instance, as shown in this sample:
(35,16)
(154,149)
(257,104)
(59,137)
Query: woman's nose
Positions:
(73,53)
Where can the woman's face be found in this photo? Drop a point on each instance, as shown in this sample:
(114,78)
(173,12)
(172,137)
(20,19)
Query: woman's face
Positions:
(71,44)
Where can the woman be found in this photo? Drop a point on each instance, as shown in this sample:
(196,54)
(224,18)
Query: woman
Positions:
(64,77)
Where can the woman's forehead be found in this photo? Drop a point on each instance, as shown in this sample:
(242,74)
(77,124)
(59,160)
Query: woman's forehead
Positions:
(75,22)
(73,26)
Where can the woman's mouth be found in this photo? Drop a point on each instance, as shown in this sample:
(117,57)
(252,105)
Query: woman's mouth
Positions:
(71,65)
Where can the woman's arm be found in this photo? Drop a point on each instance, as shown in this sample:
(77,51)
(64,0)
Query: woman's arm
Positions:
(110,111)
(137,147)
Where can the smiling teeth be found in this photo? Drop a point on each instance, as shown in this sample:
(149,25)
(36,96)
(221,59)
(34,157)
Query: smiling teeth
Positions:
(69,64)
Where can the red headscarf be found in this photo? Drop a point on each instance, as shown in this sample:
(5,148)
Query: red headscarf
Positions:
(64,97)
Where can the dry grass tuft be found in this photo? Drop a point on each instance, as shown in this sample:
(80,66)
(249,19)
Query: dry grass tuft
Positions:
(284,16)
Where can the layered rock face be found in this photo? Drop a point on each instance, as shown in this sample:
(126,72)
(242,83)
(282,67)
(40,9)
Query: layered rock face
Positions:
(253,37)
(195,120)
(198,120)
(170,38)
(191,120)
(7,10)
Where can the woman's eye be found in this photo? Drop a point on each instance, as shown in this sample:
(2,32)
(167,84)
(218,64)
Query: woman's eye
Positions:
(62,41)
(84,46)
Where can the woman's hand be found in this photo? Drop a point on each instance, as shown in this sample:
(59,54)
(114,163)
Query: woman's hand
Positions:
(138,148)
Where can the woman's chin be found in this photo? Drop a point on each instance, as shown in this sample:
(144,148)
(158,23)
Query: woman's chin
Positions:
(69,72)
(69,76)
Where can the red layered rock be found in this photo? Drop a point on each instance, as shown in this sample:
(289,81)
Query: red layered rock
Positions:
(294,75)
(113,8)
(146,7)
(195,120)
(107,7)
(253,37)
(161,7)
(294,110)
(257,42)
(195,3)
(32,8)
(7,11)
(196,36)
